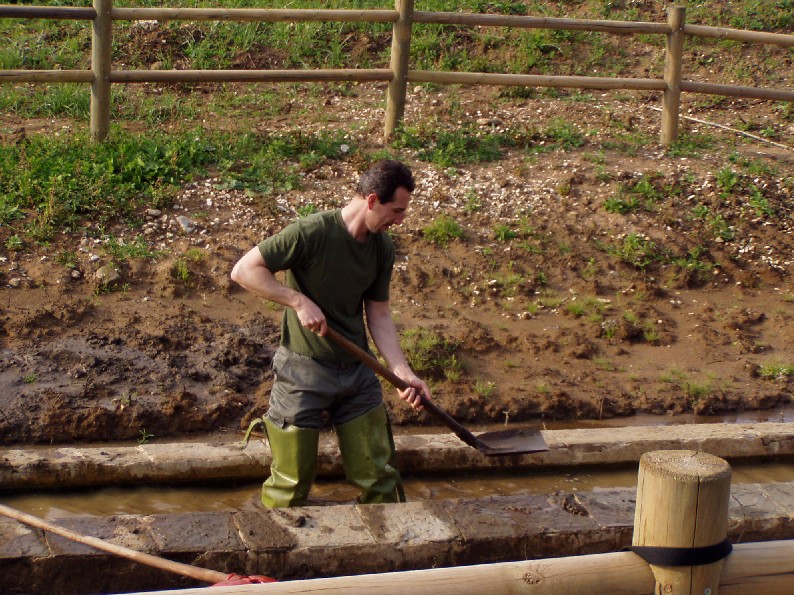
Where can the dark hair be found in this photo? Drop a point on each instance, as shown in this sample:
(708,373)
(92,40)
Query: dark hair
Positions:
(384,178)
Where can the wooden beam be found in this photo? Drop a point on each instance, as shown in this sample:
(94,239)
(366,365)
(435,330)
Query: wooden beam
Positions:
(534,80)
(237,76)
(46,76)
(673,65)
(253,14)
(101,49)
(69,13)
(527,22)
(781,39)
(765,568)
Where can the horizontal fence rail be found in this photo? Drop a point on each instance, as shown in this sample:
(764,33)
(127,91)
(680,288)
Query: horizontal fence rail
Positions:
(398,75)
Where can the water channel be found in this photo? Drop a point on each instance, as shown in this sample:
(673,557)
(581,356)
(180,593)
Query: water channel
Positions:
(177,499)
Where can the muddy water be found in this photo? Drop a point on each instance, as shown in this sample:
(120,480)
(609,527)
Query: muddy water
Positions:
(159,499)
(155,500)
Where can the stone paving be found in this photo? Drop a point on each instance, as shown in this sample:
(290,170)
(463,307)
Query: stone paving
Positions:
(340,540)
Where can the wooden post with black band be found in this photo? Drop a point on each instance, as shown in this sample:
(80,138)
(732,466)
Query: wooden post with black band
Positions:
(681,519)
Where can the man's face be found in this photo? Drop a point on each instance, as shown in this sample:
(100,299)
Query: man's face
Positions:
(382,216)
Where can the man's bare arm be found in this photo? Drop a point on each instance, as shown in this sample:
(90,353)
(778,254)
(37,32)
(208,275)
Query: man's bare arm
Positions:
(252,274)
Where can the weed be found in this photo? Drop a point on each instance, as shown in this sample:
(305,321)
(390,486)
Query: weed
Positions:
(727,179)
(760,203)
(575,308)
(307,209)
(431,355)
(604,364)
(590,270)
(631,317)
(443,230)
(617,204)
(776,370)
(67,258)
(138,248)
(195,255)
(503,233)
(181,270)
(145,437)
(587,305)
(29,378)
(637,251)
(484,388)
(451,148)
(550,299)
(14,242)
(651,334)
(473,202)
(609,328)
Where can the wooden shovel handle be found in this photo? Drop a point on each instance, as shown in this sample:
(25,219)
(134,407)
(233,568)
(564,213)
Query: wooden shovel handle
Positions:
(201,574)
(401,384)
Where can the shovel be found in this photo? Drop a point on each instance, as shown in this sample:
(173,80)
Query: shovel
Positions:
(505,442)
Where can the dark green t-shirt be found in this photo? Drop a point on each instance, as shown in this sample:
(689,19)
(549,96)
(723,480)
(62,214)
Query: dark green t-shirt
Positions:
(325,263)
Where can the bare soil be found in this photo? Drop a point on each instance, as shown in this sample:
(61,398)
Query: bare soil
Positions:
(552,324)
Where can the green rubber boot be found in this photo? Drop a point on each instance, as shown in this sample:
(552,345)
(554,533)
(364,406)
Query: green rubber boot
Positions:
(293,467)
(367,455)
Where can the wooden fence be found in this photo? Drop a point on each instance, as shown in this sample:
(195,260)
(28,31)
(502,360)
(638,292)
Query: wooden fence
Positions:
(398,75)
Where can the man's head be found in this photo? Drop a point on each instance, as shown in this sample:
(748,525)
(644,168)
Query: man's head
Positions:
(383,179)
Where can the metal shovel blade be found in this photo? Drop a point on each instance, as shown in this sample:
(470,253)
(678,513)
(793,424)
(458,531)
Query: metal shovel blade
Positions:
(511,442)
(505,442)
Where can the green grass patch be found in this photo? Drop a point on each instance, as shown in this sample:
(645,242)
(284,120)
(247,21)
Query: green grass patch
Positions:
(443,230)
(431,355)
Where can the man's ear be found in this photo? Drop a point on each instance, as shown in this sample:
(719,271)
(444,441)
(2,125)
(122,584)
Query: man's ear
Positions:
(372,200)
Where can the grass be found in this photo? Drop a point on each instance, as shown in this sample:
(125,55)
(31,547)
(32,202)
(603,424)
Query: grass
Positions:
(63,182)
(443,230)
(119,178)
(776,370)
(431,355)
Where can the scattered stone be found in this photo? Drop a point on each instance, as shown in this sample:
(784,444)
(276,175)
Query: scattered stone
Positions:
(107,275)
(186,224)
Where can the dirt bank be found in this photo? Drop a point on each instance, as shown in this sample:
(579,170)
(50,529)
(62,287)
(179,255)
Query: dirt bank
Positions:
(560,300)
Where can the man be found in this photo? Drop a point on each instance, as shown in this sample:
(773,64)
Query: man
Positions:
(339,266)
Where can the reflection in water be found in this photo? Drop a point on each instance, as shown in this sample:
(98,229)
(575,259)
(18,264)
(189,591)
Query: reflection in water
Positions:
(160,500)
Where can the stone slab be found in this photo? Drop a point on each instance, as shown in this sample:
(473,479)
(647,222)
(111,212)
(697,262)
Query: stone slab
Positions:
(194,532)
(351,539)
(22,469)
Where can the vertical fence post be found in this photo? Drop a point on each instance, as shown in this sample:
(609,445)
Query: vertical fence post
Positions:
(671,103)
(682,502)
(101,47)
(400,54)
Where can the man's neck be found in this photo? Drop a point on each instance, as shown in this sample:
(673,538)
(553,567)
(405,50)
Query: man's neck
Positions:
(354,216)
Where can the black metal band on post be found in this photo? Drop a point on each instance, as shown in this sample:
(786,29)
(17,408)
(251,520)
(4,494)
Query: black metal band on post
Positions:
(682,556)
